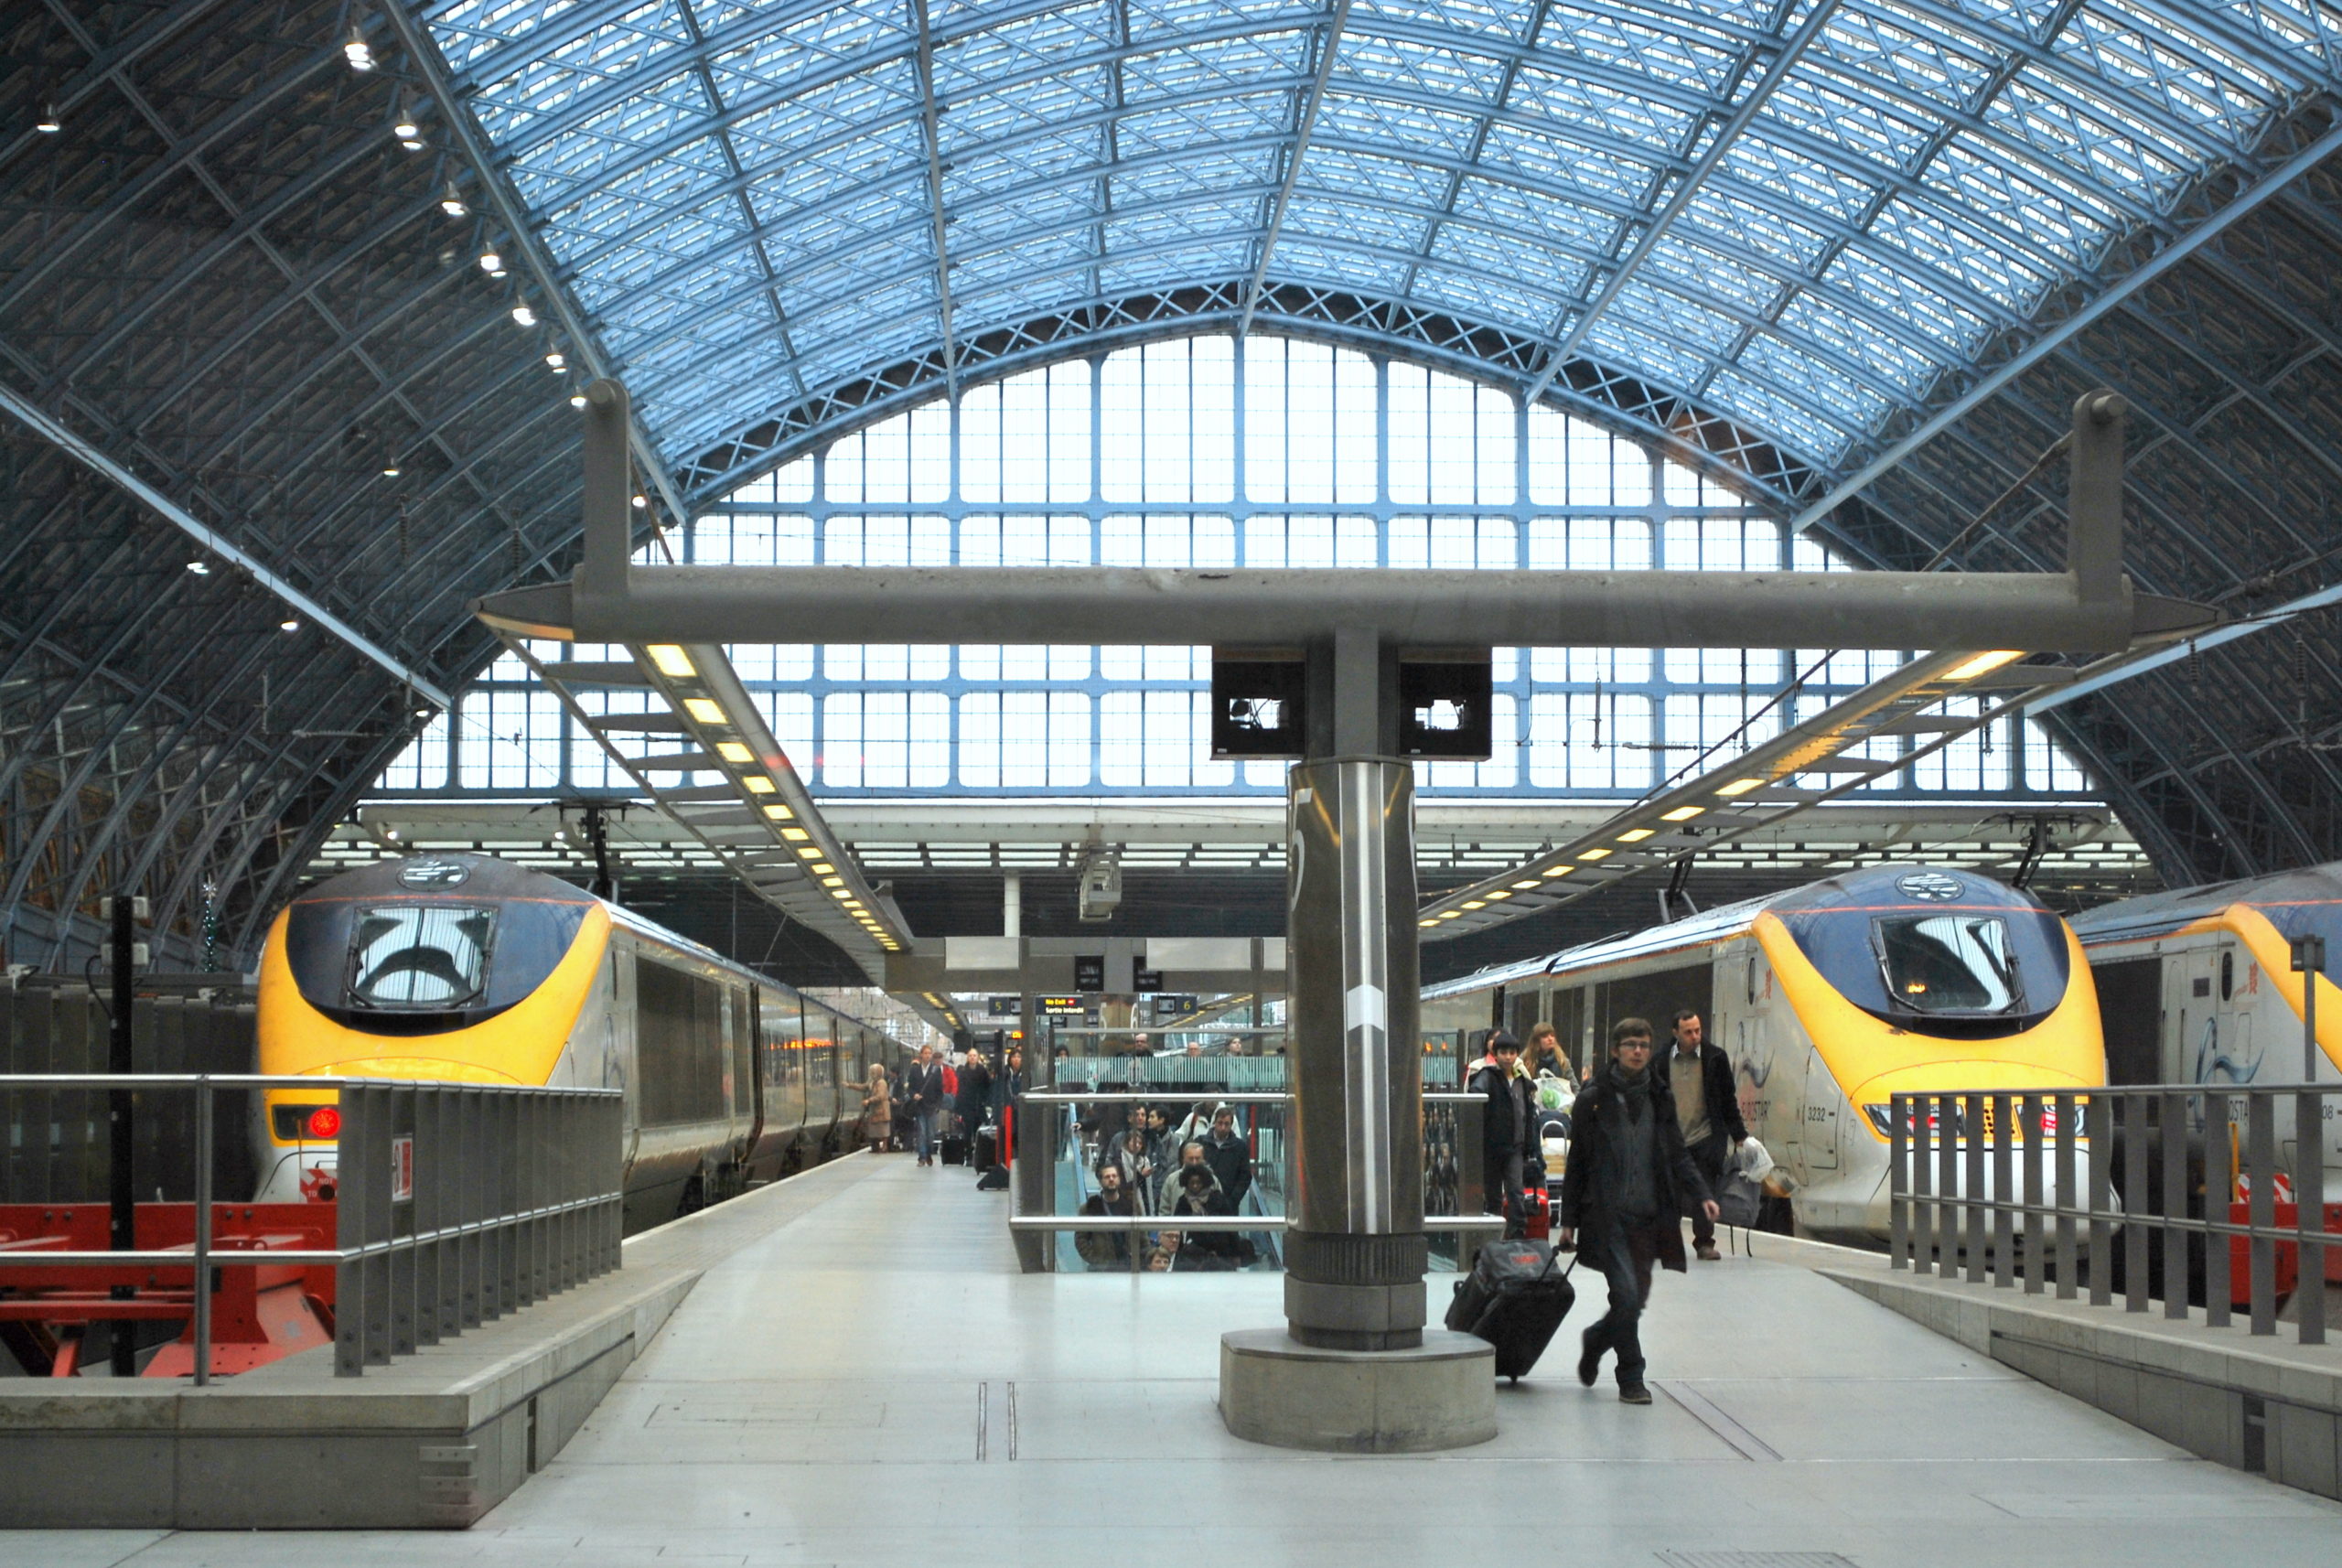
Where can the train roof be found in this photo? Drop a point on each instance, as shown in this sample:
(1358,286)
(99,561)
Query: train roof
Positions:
(1866,886)
(2159,914)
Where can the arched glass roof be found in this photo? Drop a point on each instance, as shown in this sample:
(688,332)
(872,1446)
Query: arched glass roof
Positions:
(1792,216)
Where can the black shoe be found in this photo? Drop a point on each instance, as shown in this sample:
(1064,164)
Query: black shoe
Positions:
(1633,1393)
(1589,1360)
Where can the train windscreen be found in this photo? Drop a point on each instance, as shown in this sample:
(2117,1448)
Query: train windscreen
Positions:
(420,956)
(1955,965)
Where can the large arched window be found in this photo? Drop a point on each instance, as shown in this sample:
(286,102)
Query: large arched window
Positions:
(1200,452)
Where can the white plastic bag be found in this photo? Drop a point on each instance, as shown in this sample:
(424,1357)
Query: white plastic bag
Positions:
(1753,1161)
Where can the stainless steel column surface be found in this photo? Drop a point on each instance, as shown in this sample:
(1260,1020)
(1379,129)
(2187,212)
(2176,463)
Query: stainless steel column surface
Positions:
(1355,1257)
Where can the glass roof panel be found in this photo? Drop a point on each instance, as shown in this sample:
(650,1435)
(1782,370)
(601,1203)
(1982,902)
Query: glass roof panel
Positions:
(744,195)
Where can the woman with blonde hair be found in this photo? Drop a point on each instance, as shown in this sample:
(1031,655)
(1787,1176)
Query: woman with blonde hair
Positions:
(877,1110)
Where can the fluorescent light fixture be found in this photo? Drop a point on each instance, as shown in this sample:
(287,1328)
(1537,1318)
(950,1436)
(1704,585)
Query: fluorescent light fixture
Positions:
(355,51)
(1983,663)
(780,814)
(733,751)
(48,124)
(1635,835)
(491,264)
(1525,882)
(523,317)
(288,625)
(758,784)
(1552,870)
(1433,921)
(391,469)
(706,710)
(557,359)
(822,868)
(1474,904)
(794,835)
(1594,854)
(1739,787)
(407,129)
(834,882)
(451,202)
(201,568)
(1681,813)
(809,851)
(672,661)
(1498,894)
(1451,914)
(578,400)
(640,502)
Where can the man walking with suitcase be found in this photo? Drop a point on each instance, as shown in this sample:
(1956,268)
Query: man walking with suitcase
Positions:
(1627,1179)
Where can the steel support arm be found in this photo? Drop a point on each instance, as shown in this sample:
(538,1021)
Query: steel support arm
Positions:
(2028,611)
(2089,608)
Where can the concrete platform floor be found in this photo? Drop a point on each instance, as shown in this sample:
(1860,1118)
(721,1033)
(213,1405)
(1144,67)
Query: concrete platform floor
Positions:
(873,1383)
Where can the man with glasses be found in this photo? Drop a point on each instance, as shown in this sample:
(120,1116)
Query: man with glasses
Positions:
(1627,1179)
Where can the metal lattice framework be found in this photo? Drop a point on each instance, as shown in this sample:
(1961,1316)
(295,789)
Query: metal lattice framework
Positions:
(1852,254)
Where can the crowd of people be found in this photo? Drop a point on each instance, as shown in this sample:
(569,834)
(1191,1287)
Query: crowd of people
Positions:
(1146,1165)
(1648,1144)
(940,1096)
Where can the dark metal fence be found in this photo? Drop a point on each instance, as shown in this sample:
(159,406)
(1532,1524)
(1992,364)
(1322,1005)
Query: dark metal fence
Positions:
(456,1203)
(2210,1196)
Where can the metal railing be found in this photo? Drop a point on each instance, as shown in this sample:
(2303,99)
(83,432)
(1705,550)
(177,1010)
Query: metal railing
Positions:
(1056,1150)
(2173,1192)
(456,1204)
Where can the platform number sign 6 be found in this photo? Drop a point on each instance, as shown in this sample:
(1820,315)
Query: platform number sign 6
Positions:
(402,1168)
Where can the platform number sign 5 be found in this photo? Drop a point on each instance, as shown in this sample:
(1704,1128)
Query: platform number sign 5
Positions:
(402,1168)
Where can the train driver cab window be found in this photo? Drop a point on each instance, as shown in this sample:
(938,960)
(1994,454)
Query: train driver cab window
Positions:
(1960,965)
(420,956)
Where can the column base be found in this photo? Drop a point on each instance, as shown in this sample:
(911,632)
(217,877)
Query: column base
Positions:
(1440,1394)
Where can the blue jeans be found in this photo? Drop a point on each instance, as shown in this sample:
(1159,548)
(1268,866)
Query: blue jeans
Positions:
(925,1119)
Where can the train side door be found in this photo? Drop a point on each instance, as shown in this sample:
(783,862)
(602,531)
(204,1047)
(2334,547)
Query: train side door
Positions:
(1820,1129)
(2191,1010)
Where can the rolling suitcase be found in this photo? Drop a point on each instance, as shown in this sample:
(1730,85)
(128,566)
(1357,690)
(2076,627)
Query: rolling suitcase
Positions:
(1514,1300)
(952,1149)
(991,1175)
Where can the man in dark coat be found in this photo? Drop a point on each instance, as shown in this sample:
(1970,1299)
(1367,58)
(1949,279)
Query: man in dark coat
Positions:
(923,1089)
(1504,1129)
(1707,1108)
(1628,1179)
(974,1099)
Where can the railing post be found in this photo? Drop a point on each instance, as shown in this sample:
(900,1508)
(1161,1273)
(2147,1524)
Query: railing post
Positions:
(1974,1215)
(1948,1215)
(2219,1290)
(2068,1113)
(2036,1218)
(429,1177)
(2172,1141)
(2101,1204)
(1898,1183)
(2260,1167)
(2309,1196)
(2003,1193)
(351,1199)
(2136,1208)
(400,1222)
(203,1163)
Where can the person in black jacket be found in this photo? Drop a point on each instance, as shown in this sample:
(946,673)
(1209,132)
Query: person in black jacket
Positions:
(974,1099)
(1114,1198)
(923,1090)
(1504,1129)
(1628,1179)
(1707,1107)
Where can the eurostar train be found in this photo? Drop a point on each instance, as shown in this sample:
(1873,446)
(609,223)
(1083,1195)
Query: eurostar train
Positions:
(1830,998)
(467,969)
(2198,986)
